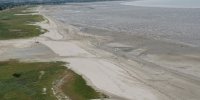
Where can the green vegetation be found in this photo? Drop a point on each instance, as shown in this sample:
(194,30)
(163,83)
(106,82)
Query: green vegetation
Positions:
(13,25)
(27,81)
(77,89)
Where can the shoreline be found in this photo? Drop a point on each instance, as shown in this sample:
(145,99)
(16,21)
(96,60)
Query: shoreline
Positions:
(36,49)
(74,50)
(128,69)
(123,66)
(102,72)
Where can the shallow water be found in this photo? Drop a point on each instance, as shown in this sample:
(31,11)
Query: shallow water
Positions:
(166,3)
(180,25)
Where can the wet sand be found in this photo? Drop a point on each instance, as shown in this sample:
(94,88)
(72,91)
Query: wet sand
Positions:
(129,63)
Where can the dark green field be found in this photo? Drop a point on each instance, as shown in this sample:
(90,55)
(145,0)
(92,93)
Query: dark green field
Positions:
(25,81)
(22,81)
(14,26)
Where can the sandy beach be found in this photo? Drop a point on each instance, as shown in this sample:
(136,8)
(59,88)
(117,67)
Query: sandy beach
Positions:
(121,65)
(102,73)
(140,68)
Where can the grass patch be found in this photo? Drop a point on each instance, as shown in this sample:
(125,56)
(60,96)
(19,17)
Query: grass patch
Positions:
(77,89)
(27,80)
(23,81)
(14,26)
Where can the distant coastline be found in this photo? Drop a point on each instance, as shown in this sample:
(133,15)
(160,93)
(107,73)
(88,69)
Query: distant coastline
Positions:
(12,3)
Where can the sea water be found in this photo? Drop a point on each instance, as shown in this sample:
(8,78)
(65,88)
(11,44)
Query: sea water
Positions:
(166,3)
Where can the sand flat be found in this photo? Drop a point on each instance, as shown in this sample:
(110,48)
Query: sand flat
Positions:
(126,52)
(130,72)
(110,78)
(63,48)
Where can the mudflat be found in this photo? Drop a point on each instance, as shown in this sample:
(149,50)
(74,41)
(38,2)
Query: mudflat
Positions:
(130,52)
(125,52)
